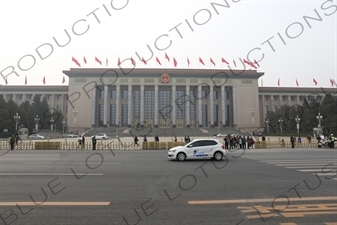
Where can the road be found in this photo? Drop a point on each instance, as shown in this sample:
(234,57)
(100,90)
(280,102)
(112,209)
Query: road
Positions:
(272,186)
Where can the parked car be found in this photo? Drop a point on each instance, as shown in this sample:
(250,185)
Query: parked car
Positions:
(199,148)
(70,135)
(36,136)
(100,136)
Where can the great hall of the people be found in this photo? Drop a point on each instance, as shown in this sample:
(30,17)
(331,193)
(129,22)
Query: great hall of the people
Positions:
(164,98)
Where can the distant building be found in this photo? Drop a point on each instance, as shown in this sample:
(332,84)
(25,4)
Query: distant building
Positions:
(165,98)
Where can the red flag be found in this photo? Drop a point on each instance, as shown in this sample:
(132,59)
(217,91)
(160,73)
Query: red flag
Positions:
(332,82)
(166,56)
(224,61)
(212,61)
(63,80)
(97,60)
(107,61)
(234,62)
(252,65)
(158,61)
(133,61)
(119,62)
(143,60)
(174,62)
(76,62)
(25,80)
(188,62)
(44,80)
(85,60)
(245,61)
(278,82)
(297,82)
(202,62)
(256,63)
(315,82)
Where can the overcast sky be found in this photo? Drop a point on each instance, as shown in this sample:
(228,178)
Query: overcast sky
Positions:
(292,45)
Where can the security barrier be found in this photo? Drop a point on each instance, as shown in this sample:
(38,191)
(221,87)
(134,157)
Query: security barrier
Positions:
(150,145)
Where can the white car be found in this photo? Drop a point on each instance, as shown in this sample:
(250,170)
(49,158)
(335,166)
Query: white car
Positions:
(100,136)
(35,136)
(199,148)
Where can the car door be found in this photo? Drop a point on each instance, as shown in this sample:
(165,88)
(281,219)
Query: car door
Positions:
(193,148)
(209,147)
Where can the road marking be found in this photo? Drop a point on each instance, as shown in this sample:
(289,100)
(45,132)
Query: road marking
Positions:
(236,201)
(55,204)
(50,174)
(304,167)
(325,174)
(301,164)
(313,170)
(67,163)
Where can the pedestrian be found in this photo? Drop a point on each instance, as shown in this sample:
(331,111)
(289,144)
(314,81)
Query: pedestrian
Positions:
(188,139)
(83,141)
(299,140)
(94,141)
(175,139)
(135,140)
(156,138)
(12,142)
(145,139)
(292,140)
(80,141)
(309,139)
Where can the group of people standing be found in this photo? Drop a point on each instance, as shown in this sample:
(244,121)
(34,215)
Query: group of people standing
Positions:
(238,141)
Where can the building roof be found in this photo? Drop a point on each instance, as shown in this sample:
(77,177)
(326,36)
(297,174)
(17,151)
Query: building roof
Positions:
(33,88)
(296,90)
(149,72)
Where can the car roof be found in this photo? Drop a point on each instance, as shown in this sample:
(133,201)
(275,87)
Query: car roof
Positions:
(206,139)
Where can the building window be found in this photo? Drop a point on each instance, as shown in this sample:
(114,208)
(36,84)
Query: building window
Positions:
(204,115)
(49,97)
(265,109)
(216,114)
(301,98)
(180,104)
(204,94)
(113,114)
(292,98)
(275,108)
(266,98)
(136,105)
(59,97)
(284,98)
(125,94)
(215,95)
(101,94)
(125,115)
(101,114)
(58,108)
(192,105)
(275,97)
(149,105)
(165,107)
(113,94)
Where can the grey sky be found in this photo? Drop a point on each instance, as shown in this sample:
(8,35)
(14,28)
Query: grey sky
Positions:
(308,49)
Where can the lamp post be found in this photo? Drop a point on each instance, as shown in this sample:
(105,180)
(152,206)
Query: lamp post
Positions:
(63,123)
(267,123)
(51,124)
(16,118)
(252,112)
(37,119)
(280,121)
(297,119)
(319,118)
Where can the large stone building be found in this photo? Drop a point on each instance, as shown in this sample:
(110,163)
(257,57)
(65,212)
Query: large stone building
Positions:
(163,98)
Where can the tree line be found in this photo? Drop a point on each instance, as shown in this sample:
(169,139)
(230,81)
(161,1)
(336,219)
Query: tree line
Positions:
(307,114)
(28,112)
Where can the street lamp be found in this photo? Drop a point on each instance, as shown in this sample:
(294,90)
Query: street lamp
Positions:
(16,118)
(51,126)
(267,123)
(252,112)
(319,118)
(37,119)
(63,123)
(280,121)
(297,119)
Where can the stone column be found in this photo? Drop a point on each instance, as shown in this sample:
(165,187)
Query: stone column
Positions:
(223,105)
(234,106)
(173,106)
(118,100)
(199,106)
(129,105)
(211,105)
(187,107)
(142,104)
(156,106)
(105,114)
(93,107)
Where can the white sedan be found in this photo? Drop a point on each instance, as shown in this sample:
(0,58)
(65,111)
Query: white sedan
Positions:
(100,136)
(35,136)
(199,148)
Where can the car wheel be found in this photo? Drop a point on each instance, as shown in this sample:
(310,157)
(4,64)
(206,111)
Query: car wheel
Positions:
(218,156)
(319,146)
(181,156)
